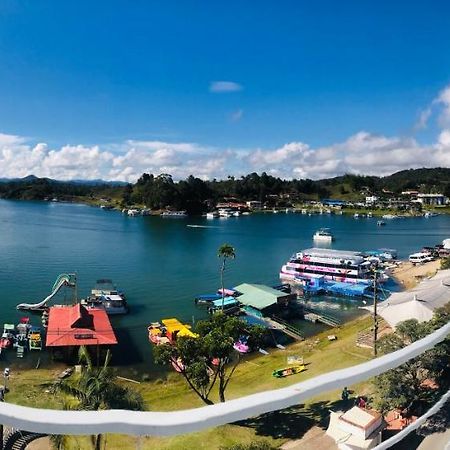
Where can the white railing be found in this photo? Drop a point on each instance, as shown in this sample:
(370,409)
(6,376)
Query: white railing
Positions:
(180,422)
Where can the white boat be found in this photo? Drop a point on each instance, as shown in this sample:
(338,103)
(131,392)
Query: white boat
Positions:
(381,223)
(174,214)
(236,213)
(106,295)
(323,235)
(133,212)
(225,212)
(356,215)
(334,265)
(389,216)
(212,215)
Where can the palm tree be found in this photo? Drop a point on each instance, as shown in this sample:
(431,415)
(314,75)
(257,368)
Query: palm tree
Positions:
(226,251)
(96,389)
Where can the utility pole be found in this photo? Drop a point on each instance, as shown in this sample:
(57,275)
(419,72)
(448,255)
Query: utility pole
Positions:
(2,399)
(375,312)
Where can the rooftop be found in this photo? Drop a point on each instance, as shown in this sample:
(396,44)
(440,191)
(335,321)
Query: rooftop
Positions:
(258,296)
(77,325)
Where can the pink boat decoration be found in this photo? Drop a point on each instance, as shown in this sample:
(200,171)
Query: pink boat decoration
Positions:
(241,347)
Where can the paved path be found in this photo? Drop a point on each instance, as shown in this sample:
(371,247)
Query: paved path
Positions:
(314,439)
(436,441)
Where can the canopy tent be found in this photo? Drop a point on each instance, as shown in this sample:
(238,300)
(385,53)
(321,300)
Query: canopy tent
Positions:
(418,303)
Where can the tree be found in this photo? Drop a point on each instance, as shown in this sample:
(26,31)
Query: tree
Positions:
(209,359)
(96,388)
(408,386)
(226,251)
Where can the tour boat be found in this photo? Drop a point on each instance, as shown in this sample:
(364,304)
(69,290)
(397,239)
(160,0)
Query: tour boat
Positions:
(334,265)
(323,235)
(106,295)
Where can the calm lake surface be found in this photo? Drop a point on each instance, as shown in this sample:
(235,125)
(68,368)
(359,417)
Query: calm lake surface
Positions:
(161,264)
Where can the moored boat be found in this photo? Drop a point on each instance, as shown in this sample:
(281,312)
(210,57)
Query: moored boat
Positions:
(8,335)
(174,214)
(168,331)
(35,339)
(323,235)
(334,265)
(106,295)
(156,334)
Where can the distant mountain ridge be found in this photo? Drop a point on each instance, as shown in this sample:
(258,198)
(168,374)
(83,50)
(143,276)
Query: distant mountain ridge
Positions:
(194,195)
(95,182)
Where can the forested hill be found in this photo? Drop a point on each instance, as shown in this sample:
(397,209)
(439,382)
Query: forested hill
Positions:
(192,194)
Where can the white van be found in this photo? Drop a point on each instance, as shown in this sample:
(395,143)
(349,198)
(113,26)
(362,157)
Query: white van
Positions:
(420,258)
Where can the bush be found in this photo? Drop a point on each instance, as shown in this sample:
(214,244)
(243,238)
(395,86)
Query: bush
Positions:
(445,263)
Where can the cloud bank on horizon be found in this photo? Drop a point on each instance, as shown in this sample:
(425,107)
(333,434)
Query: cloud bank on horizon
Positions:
(362,153)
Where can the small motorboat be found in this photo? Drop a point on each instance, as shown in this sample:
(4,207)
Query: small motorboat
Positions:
(287,371)
(157,334)
(323,235)
(7,339)
(35,339)
(381,223)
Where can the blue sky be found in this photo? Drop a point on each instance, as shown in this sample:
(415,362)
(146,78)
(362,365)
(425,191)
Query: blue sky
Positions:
(105,73)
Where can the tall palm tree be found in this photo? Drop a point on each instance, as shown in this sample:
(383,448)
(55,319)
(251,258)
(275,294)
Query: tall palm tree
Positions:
(226,251)
(96,389)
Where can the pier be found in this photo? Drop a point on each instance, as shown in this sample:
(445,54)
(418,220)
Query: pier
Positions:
(280,324)
(314,316)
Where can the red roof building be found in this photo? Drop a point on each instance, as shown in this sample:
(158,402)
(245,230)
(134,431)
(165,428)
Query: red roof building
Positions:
(76,325)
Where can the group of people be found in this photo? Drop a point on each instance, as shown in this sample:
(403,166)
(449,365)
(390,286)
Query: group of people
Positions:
(360,401)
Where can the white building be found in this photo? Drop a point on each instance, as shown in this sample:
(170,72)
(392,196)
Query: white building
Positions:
(432,199)
(357,428)
(371,199)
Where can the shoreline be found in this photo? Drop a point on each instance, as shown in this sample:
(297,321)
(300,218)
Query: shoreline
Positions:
(168,391)
(408,275)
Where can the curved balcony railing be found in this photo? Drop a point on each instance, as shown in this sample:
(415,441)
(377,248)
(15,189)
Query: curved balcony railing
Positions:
(180,422)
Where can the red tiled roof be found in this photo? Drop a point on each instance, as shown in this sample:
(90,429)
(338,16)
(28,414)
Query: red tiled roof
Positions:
(77,325)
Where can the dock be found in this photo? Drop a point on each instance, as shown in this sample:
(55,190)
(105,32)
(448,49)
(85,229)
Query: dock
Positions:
(280,324)
(315,316)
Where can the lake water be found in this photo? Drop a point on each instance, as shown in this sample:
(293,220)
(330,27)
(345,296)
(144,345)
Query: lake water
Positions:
(161,264)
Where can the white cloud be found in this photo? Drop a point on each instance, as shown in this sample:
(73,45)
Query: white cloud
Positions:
(423,118)
(224,86)
(236,116)
(363,152)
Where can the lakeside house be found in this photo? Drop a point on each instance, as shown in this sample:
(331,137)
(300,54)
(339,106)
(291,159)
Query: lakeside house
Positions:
(70,327)
(432,199)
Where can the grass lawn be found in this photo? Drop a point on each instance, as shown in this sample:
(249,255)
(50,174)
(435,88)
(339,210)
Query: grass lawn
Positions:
(253,375)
